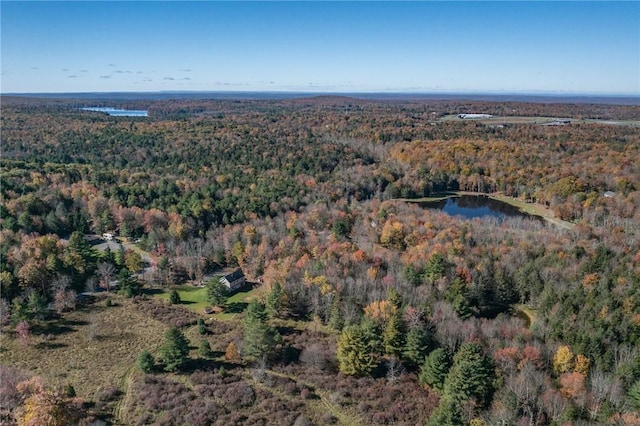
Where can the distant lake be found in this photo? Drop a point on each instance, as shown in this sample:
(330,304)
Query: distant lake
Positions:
(472,206)
(119,112)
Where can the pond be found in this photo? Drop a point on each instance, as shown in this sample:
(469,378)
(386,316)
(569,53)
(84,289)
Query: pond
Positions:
(472,206)
(119,112)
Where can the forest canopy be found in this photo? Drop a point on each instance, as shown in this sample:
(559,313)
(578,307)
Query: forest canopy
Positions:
(487,321)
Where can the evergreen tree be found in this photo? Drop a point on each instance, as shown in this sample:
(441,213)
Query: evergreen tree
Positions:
(372,335)
(174,298)
(205,349)
(457,294)
(394,335)
(118,257)
(175,350)
(354,351)
(36,306)
(394,299)
(336,319)
(417,346)
(471,376)
(146,363)
(108,256)
(260,338)
(19,311)
(275,300)
(217,293)
(202,329)
(448,413)
(435,369)
(128,283)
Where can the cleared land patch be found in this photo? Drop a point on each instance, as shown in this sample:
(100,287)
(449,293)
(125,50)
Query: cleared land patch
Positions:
(92,348)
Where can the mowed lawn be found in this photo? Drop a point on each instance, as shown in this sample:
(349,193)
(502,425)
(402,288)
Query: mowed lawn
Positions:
(195,299)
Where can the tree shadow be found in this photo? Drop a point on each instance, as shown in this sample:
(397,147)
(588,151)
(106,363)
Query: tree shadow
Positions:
(286,330)
(246,288)
(57,327)
(235,307)
(50,345)
(151,291)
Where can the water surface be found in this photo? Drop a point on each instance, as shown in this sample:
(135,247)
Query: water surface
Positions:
(472,206)
(119,112)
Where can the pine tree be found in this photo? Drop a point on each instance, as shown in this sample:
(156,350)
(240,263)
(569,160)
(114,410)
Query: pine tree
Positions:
(372,335)
(394,335)
(260,338)
(336,319)
(275,300)
(174,297)
(36,305)
(471,376)
(354,352)
(175,350)
(435,369)
(205,349)
(447,413)
(129,284)
(417,346)
(202,329)
(146,363)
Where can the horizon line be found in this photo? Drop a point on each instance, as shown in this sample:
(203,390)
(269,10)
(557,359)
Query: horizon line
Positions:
(362,92)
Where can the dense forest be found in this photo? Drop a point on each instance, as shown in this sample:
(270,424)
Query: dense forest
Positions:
(363,308)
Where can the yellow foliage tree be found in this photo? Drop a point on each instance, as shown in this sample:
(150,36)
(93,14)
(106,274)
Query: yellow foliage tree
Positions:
(44,407)
(379,310)
(563,359)
(392,235)
(581,365)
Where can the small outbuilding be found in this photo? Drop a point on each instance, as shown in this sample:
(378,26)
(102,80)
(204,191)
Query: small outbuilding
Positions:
(234,280)
(609,194)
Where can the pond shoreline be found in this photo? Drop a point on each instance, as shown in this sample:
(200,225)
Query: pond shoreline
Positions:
(534,209)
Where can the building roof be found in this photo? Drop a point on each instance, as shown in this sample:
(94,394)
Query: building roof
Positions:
(235,275)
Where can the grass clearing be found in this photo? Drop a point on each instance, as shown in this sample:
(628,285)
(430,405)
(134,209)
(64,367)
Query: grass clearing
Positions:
(195,299)
(526,313)
(92,348)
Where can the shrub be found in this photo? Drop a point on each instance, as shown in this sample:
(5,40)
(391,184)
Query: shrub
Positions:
(70,391)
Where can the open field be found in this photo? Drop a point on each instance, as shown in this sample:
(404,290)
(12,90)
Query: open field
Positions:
(91,348)
(497,120)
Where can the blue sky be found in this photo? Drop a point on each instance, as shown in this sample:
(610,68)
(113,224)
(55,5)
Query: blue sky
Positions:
(454,46)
